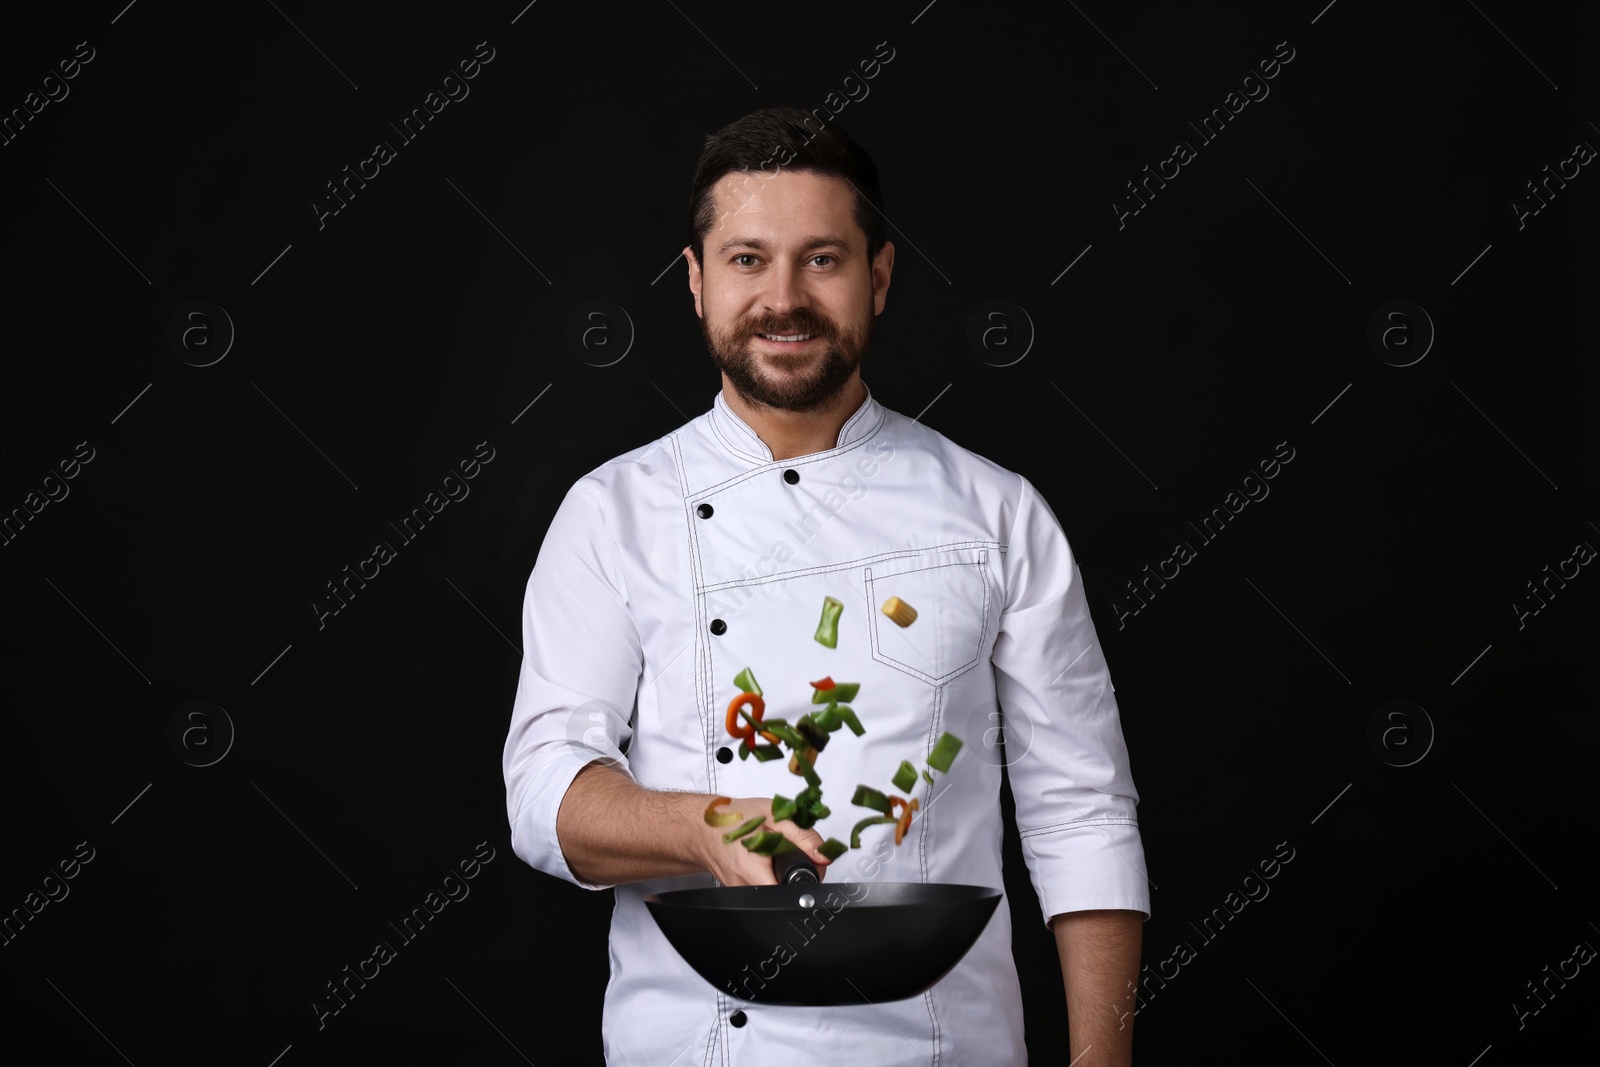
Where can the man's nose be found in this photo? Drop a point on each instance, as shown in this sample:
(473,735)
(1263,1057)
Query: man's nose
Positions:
(786,290)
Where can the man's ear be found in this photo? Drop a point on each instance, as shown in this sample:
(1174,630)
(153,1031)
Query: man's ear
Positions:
(694,279)
(882,267)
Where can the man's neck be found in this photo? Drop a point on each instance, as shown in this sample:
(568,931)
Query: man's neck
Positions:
(791,434)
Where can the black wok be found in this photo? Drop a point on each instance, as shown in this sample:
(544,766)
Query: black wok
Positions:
(824,943)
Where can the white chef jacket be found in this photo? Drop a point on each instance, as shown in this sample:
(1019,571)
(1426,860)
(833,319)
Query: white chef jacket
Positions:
(674,566)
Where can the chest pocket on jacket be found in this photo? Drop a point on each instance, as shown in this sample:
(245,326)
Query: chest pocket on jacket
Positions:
(950,593)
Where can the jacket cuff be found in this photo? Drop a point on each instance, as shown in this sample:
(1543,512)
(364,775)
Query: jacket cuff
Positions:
(1088,865)
(533,831)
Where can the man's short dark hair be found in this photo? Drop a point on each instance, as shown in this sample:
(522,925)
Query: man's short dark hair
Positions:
(765,143)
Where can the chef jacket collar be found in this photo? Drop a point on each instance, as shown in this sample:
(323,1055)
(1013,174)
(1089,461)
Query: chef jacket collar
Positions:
(737,436)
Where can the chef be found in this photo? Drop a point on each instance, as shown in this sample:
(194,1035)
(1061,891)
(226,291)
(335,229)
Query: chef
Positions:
(712,550)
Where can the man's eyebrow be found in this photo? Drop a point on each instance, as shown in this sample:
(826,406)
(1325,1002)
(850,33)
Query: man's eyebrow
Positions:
(820,241)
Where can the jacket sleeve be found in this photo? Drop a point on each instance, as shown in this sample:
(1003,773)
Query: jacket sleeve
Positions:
(1066,758)
(581,661)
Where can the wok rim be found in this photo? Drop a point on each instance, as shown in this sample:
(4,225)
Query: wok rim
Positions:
(679,899)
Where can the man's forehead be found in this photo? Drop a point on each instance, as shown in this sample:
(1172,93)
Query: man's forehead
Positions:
(795,176)
(793,205)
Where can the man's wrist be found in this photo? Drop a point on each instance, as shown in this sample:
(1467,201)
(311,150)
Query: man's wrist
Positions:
(696,842)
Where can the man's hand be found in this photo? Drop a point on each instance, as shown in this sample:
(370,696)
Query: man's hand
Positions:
(731,863)
(613,830)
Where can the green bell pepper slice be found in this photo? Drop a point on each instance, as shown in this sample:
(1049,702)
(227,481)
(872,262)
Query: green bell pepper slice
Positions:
(849,716)
(769,843)
(841,693)
(867,797)
(805,768)
(855,834)
(789,735)
(746,681)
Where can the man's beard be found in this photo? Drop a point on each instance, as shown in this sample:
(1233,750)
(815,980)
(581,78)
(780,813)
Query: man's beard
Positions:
(734,353)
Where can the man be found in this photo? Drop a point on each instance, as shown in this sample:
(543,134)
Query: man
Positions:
(672,568)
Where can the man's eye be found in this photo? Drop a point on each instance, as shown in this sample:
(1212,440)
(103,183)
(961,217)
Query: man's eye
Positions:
(824,255)
(745,255)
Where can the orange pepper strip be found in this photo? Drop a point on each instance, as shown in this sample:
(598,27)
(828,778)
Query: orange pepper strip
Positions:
(826,683)
(903,824)
(714,817)
(758,708)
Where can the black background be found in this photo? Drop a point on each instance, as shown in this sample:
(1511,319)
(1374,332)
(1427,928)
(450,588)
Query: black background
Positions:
(1227,316)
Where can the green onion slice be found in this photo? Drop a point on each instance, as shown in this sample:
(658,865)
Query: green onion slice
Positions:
(833,848)
(828,629)
(944,752)
(905,777)
(850,719)
(742,829)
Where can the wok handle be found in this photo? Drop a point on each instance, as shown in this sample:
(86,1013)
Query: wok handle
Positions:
(793,867)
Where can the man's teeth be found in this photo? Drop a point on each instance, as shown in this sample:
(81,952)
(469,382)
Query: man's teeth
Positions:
(787,336)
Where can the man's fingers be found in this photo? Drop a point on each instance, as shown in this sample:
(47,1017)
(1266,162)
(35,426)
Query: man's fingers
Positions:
(812,844)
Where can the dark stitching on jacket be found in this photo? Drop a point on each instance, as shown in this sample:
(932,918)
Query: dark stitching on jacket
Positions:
(714,1038)
(933,733)
(767,466)
(884,658)
(832,453)
(1060,826)
(702,669)
(732,447)
(860,561)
